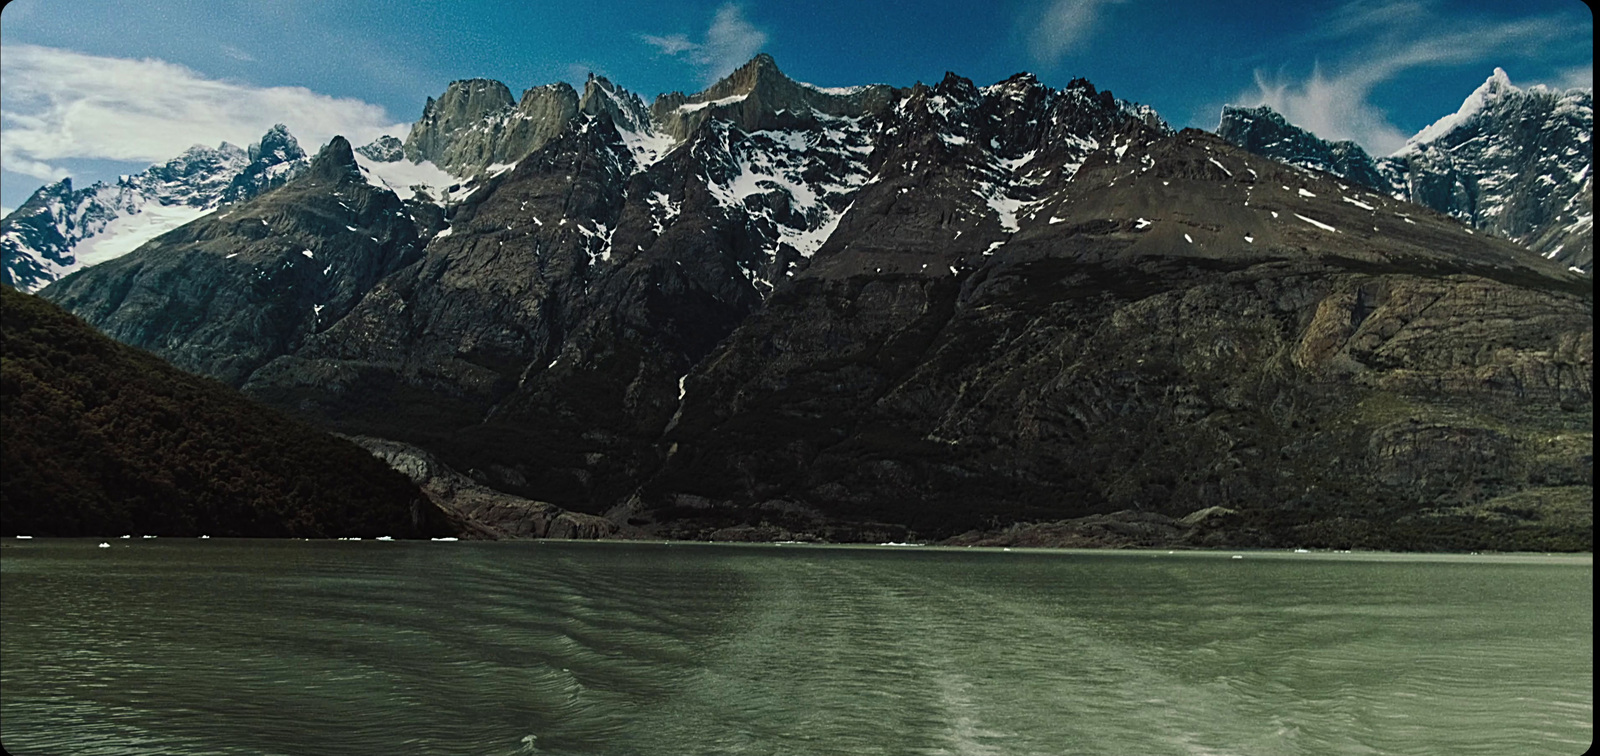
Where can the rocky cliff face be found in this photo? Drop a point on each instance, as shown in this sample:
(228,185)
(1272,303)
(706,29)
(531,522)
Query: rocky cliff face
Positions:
(60,230)
(1515,163)
(878,313)
(475,125)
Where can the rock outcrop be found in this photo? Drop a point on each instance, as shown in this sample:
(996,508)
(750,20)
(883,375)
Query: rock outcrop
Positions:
(482,512)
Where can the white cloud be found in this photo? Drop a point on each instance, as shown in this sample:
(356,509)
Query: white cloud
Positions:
(1579,77)
(1332,108)
(1063,26)
(671,44)
(729,42)
(59,104)
(1386,40)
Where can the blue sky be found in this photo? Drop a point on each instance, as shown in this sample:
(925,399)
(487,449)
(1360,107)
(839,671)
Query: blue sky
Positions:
(93,88)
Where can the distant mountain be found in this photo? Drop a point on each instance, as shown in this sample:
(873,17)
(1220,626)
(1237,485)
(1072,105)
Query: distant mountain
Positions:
(101,439)
(1516,163)
(60,229)
(771,310)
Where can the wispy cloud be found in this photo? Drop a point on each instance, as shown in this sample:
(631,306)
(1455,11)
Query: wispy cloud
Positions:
(728,42)
(61,105)
(1064,25)
(237,54)
(1386,40)
(1578,77)
(671,44)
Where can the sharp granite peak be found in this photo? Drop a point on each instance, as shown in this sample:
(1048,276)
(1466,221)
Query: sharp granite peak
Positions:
(770,310)
(1516,163)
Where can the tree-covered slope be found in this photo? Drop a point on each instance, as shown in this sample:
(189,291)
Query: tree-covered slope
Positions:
(102,439)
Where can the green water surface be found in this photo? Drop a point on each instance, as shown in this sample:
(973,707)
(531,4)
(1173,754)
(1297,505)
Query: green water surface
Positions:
(331,648)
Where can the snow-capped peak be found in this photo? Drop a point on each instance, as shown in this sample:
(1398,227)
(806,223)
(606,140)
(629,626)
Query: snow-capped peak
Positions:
(1497,86)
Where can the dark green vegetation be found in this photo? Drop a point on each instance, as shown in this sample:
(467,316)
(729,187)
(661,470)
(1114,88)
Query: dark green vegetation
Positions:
(104,439)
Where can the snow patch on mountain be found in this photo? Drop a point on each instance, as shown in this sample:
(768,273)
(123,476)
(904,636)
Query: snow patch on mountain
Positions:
(404,177)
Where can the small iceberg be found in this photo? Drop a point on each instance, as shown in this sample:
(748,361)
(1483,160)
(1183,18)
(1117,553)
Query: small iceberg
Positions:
(127,537)
(1238,556)
(205,536)
(147,536)
(105,545)
(25,538)
(1302,551)
(898,543)
(446,538)
(385,538)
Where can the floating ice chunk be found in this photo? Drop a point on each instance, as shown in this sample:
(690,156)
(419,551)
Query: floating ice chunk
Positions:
(1188,238)
(1141,223)
(308,253)
(1305,193)
(1358,203)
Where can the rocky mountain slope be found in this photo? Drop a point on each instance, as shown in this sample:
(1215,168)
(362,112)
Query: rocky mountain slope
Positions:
(772,310)
(1515,163)
(101,440)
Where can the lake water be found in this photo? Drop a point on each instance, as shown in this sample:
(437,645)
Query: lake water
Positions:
(334,648)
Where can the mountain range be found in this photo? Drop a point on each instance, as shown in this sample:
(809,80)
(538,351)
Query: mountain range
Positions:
(999,314)
(1515,163)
